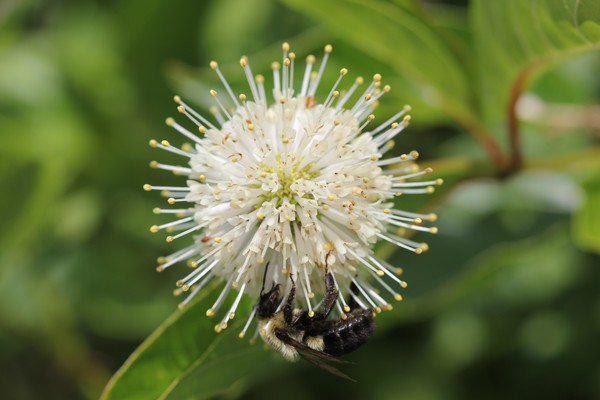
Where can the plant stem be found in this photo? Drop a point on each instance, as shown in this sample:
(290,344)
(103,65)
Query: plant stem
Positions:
(515,160)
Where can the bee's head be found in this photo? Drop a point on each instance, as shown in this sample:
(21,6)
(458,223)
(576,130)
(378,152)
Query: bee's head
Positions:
(268,302)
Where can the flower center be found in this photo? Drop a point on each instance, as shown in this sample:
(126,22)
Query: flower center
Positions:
(286,177)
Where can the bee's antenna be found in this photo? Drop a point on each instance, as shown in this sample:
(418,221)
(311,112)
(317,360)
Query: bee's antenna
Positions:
(264,279)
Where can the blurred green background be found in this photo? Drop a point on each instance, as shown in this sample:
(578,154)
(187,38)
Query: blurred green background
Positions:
(505,304)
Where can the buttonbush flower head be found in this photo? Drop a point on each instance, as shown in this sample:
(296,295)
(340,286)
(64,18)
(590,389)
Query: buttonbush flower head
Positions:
(292,182)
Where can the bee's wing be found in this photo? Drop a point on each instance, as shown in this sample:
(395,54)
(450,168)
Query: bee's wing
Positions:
(315,357)
(317,360)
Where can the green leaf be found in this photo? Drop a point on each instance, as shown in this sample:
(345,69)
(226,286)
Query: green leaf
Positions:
(586,224)
(514,38)
(185,358)
(399,38)
(246,20)
(520,272)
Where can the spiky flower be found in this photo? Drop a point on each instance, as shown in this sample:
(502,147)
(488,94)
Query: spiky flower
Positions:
(293,185)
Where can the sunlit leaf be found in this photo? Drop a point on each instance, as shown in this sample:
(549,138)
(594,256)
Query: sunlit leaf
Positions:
(399,38)
(185,354)
(514,38)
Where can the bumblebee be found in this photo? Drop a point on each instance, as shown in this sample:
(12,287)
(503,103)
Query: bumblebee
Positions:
(296,333)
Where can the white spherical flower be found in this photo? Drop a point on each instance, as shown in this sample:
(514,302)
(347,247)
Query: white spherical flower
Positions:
(291,188)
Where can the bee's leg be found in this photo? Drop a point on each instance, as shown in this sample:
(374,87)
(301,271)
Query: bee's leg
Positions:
(288,307)
(351,302)
(331,294)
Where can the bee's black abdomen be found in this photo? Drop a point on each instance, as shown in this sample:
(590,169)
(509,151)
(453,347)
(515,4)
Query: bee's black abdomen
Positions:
(347,335)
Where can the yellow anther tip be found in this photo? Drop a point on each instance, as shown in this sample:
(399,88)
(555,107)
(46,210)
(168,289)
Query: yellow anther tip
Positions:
(210,312)
(177,99)
(343,71)
(147,187)
(285,46)
(434,230)
(397,297)
(153,142)
(328,48)
(214,65)
(181,109)
(213,92)
(169,121)
(171,201)
(241,335)
(311,313)
(380,273)
(154,228)
(169,239)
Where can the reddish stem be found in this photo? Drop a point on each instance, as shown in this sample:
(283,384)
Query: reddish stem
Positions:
(515,159)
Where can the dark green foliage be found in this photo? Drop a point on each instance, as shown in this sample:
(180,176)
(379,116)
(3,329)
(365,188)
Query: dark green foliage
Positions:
(504,305)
